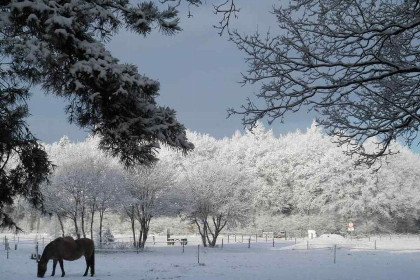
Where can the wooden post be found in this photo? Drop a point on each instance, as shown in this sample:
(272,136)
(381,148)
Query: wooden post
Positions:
(198,254)
(273,239)
(228,238)
(285,235)
(256,237)
(375,244)
(154,243)
(249,243)
(15,246)
(307,244)
(183,247)
(222,243)
(335,252)
(36,249)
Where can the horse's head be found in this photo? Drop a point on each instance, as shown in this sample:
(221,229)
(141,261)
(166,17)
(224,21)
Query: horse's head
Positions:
(42,268)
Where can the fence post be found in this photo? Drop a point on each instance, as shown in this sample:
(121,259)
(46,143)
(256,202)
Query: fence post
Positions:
(285,235)
(5,243)
(273,239)
(154,243)
(307,244)
(335,252)
(375,244)
(228,238)
(198,254)
(182,247)
(7,248)
(36,249)
(15,246)
(249,242)
(256,237)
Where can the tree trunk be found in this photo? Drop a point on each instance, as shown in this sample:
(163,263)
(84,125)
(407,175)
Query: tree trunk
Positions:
(133,228)
(61,224)
(202,232)
(82,217)
(218,227)
(76,228)
(91,221)
(144,224)
(101,217)
(140,238)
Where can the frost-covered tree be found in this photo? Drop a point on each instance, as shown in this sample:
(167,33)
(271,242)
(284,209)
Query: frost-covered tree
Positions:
(148,195)
(357,63)
(216,195)
(85,181)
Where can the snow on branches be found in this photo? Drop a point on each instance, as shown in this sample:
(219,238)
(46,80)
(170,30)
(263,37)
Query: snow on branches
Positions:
(59,45)
(357,63)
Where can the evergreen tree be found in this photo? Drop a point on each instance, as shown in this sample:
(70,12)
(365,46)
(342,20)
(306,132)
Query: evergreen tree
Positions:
(58,45)
(24,164)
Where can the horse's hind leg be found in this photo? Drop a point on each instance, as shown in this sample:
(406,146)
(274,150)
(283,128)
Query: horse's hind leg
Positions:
(87,265)
(92,263)
(62,267)
(54,265)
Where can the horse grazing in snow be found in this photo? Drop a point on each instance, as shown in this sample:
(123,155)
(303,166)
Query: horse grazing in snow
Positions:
(66,248)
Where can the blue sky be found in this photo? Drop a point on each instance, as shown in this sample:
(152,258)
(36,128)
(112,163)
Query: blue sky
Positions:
(198,71)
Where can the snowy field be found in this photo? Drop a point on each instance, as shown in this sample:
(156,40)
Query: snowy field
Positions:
(398,258)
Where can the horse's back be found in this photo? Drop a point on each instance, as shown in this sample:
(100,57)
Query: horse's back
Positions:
(69,249)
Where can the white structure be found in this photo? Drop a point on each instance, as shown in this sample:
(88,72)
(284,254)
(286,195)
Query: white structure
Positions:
(311,233)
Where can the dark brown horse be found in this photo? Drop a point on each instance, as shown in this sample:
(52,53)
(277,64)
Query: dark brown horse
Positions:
(66,248)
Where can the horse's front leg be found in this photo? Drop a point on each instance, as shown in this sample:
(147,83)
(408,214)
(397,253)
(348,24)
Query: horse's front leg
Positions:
(54,265)
(62,267)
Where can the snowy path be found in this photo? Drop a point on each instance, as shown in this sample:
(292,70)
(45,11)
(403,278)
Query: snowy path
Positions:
(234,261)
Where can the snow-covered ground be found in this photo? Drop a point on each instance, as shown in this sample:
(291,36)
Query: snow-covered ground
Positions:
(397,258)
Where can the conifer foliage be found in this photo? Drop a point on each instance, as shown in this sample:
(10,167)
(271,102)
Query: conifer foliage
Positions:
(59,45)
(24,164)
